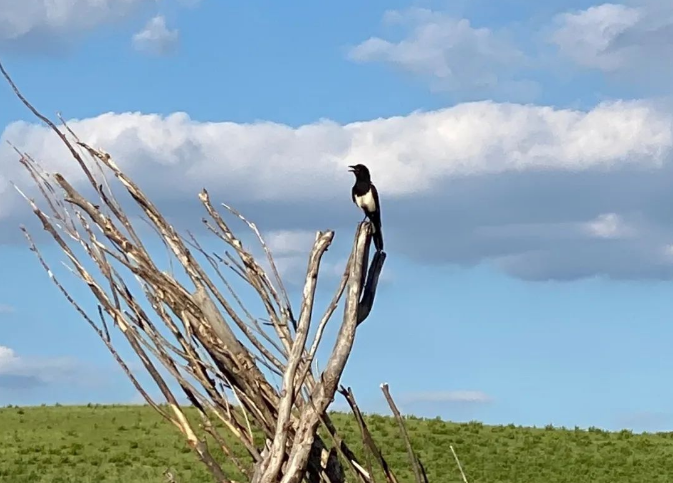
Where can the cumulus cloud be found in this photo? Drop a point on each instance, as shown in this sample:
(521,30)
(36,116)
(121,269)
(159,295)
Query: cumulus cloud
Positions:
(449,52)
(587,36)
(410,154)
(17,372)
(155,38)
(537,191)
(621,39)
(608,225)
(43,24)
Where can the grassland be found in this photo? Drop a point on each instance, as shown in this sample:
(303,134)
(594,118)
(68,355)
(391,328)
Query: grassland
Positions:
(131,444)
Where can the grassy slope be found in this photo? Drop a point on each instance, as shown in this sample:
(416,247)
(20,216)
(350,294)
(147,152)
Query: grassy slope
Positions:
(131,444)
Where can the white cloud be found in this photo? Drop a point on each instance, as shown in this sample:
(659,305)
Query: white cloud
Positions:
(408,154)
(458,396)
(155,38)
(36,21)
(290,242)
(6,355)
(626,40)
(608,225)
(450,52)
(521,186)
(17,372)
(587,36)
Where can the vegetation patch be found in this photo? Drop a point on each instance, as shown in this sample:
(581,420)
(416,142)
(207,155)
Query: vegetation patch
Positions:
(132,444)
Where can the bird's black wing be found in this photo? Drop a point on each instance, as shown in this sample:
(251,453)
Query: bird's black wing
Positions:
(375,194)
(376,219)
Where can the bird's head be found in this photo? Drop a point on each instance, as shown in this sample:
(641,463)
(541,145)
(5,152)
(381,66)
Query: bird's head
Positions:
(360,170)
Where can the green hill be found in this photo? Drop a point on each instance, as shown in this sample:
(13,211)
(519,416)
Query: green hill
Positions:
(131,444)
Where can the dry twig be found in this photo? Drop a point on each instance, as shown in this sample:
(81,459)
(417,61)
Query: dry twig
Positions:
(367,437)
(460,467)
(419,470)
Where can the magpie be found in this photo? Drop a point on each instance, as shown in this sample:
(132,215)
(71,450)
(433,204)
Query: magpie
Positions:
(366,197)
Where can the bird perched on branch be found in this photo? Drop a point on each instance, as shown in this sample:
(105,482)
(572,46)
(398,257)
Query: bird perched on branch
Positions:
(364,195)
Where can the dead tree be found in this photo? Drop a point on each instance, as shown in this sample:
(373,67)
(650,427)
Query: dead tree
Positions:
(198,335)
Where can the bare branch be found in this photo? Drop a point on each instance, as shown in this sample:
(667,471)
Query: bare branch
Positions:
(287,306)
(460,467)
(419,471)
(277,451)
(366,435)
(323,392)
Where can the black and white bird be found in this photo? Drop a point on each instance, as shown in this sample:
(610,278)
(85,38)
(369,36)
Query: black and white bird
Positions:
(366,197)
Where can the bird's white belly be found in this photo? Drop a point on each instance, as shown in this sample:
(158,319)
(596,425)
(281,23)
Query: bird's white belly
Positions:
(366,201)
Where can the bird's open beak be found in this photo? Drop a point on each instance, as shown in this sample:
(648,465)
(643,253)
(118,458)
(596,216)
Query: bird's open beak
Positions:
(352,169)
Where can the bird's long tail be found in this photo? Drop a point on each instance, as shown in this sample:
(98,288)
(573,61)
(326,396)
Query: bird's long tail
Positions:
(378,239)
(378,234)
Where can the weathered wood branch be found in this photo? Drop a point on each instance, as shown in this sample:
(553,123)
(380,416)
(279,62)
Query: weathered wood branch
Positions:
(210,345)
(269,470)
(367,438)
(419,470)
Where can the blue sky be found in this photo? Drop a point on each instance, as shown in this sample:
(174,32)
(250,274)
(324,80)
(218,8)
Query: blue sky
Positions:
(523,153)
